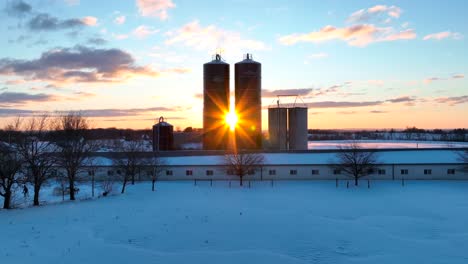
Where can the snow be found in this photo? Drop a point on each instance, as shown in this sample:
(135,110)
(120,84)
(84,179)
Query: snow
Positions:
(291,222)
(431,156)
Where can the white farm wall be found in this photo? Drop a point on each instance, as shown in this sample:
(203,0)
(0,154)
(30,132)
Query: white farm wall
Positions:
(283,172)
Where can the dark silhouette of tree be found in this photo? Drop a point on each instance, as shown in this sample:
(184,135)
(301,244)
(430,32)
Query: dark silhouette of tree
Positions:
(10,165)
(355,161)
(37,151)
(129,160)
(157,164)
(73,146)
(241,163)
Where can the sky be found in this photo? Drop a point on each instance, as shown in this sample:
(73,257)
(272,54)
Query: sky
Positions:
(362,64)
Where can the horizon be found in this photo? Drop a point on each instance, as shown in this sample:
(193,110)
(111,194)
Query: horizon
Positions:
(357,65)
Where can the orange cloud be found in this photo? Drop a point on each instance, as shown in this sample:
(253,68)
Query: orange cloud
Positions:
(144,31)
(120,20)
(80,64)
(356,35)
(210,38)
(89,21)
(365,15)
(443,35)
(155,8)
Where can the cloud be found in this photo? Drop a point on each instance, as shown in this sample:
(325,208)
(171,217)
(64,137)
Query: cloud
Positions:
(402,99)
(110,112)
(210,38)
(90,21)
(46,22)
(364,15)
(452,101)
(155,8)
(80,64)
(120,20)
(144,31)
(351,104)
(356,35)
(17,8)
(15,112)
(289,92)
(435,79)
(97,41)
(333,104)
(378,112)
(443,35)
(126,112)
(16,98)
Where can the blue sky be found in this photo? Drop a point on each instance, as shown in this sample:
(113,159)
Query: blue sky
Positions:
(356,64)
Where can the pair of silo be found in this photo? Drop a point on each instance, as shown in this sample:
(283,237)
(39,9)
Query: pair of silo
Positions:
(248,132)
(287,128)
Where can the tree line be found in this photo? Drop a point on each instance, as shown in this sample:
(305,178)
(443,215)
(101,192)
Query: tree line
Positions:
(32,150)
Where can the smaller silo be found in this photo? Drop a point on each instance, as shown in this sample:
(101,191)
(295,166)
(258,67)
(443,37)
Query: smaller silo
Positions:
(278,127)
(297,128)
(163,136)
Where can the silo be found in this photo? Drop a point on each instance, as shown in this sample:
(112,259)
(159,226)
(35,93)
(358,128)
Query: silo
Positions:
(215,104)
(297,117)
(163,136)
(278,127)
(248,75)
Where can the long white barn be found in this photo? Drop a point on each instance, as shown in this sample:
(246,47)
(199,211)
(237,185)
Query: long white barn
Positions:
(420,164)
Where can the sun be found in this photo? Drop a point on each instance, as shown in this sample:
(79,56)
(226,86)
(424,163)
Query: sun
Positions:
(231,120)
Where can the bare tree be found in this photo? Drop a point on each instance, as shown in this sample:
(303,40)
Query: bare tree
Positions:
(73,146)
(129,160)
(157,165)
(242,163)
(10,165)
(37,151)
(355,161)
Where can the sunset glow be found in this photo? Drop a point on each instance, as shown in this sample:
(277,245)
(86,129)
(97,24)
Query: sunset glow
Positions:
(356,64)
(231,120)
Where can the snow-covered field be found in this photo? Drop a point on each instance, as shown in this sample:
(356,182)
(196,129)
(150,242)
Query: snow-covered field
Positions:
(335,144)
(291,222)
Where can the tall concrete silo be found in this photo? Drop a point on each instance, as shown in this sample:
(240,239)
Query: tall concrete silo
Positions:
(278,127)
(248,104)
(297,121)
(215,104)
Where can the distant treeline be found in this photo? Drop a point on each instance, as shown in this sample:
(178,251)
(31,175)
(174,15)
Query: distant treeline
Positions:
(410,133)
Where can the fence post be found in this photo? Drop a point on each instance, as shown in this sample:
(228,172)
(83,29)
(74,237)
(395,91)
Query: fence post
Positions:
(347,185)
(402,181)
(249,184)
(211,182)
(336,182)
(229,183)
(271,183)
(368,184)
(195,182)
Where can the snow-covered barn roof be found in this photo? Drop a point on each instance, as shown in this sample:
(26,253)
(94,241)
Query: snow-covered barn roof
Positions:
(384,157)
